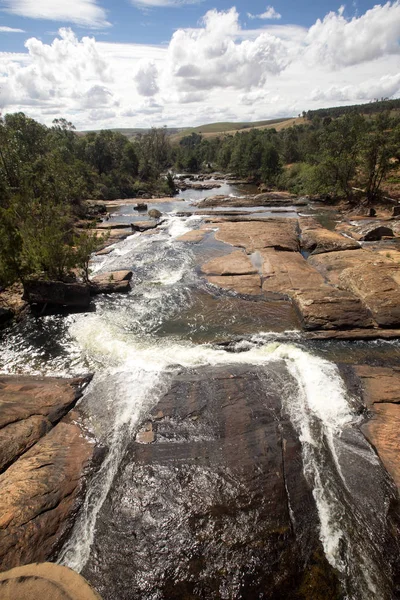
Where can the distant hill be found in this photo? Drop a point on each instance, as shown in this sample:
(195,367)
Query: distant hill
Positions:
(207,130)
(210,130)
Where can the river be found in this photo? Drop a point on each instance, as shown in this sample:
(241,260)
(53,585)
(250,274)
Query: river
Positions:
(173,322)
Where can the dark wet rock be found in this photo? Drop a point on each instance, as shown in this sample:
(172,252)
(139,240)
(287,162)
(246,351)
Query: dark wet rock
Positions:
(396,211)
(30,407)
(140,206)
(154,213)
(224,316)
(316,239)
(372,212)
(57,293)
(6,315)
(46,581)
(111,282)
(377,233)
(217,505)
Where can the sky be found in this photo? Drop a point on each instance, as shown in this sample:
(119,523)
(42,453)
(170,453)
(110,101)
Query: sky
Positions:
(142,63)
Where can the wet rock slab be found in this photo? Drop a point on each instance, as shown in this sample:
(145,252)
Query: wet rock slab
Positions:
(217,505)
(43,461)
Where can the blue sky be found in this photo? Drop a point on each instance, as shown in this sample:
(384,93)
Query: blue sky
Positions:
(151,62)
(141,23)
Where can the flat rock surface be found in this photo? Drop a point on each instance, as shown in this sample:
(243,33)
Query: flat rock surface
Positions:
(377,288)
(316,239)
(327,307)
(381,393)
(287,272)
(242,284)
(46,581)
(255,235)
(331,264)
(382,431)
(196,235)
(236,263)
(216,506)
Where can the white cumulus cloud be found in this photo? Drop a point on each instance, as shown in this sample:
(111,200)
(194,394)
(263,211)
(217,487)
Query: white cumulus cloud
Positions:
(337,41)
(270,13)
(146,79)
(211,57)
(81,12)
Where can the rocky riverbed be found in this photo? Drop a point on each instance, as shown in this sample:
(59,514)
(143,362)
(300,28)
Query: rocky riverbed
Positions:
(239,438)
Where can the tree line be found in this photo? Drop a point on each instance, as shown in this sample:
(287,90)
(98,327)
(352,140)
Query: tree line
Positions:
(47,172)
(326,156)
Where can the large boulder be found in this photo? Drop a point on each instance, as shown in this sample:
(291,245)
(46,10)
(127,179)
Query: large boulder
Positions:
(42,464)
(57,293)
(154,213)
(377,233)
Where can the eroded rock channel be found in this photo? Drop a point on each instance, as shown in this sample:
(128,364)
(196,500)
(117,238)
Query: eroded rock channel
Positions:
(239,438)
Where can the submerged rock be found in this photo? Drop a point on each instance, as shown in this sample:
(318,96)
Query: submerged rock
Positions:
(154,213)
